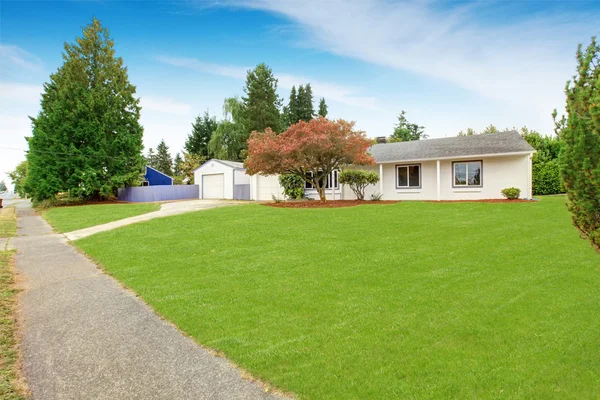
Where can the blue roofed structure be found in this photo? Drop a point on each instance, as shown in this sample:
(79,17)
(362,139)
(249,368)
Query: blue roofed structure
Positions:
(156,178)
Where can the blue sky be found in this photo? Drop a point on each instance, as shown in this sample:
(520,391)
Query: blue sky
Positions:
(450,65)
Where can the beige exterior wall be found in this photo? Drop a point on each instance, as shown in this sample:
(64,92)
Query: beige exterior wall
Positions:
(497,173)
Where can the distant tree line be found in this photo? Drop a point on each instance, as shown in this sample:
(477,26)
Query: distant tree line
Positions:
(259,108)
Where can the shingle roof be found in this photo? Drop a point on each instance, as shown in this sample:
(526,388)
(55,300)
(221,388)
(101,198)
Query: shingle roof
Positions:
(458,146)
(233,164)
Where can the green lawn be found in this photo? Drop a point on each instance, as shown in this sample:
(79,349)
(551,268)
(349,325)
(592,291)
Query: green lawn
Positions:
(10,389)
(68,219)
(8,222)
(412,300)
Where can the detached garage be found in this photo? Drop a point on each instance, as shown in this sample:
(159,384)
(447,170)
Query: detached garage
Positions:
(221,179)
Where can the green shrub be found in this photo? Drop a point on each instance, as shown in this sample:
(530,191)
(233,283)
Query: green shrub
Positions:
(511,193)
(376,196)
(546,178)
(358,180)
(293,186)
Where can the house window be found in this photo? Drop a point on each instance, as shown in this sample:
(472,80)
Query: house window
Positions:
(408,176)
(331,177)
(467,173)
(145,183)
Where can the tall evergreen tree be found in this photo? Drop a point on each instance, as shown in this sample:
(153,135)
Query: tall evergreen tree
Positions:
(292,108)
(177,165)
(151,158)
(300,102)
(405,131)
(261,102)
(202,130)
(322,108)
(580,154)
(87,139)
(308,111)
(164,162)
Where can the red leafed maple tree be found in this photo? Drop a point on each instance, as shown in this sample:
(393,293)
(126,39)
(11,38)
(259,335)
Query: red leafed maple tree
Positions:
(311,150)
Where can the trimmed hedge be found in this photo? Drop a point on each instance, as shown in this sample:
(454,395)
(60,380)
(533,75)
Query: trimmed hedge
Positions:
(546,178)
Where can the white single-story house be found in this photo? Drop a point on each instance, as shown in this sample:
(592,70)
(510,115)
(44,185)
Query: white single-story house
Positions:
(456,168)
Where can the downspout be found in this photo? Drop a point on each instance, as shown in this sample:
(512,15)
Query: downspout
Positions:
(439,195)
(381,179)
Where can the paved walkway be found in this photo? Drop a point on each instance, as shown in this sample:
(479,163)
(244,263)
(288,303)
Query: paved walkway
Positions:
(166,209)
(84,337)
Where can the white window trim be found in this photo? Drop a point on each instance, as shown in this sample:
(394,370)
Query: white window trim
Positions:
(467,186)
(330,176)
(398,166)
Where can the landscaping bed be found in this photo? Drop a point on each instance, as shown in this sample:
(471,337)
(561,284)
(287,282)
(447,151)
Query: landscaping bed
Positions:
(326,204)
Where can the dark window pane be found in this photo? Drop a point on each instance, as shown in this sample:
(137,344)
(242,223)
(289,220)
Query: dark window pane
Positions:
(308,185)
(460,174)
(414,176)
(402,176)
(474,173)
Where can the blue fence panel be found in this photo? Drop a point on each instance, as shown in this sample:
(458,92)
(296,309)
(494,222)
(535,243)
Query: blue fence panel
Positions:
(241,192)
(143,194)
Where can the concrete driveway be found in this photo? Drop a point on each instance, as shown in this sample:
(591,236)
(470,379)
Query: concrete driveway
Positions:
(166,210)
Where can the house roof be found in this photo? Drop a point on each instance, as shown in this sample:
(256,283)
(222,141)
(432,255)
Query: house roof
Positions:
(459,146)
(160,172)
(232,164)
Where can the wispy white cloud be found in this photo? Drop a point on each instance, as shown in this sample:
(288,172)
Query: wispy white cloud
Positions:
(236,72)
(332,92)
(20,57)
(524,59)
(164,105)
(11,92)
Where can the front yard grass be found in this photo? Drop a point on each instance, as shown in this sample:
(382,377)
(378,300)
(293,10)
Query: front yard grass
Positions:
(8,222)
(68,219)
(412,300)
(10,388)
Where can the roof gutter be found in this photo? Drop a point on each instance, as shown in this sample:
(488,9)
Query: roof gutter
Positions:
(520,153)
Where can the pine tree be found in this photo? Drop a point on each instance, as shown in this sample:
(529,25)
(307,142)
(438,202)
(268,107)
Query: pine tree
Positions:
(177,165)
(261,103)
(292,108)
(322,108)
(164,162)
(300,102)
(202,130)
(151,158)
(580,154)
(308,111)
(3,186)
(87,139)
(405,131)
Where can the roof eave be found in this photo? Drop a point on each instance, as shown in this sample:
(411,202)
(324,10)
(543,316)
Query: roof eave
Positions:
(516,153)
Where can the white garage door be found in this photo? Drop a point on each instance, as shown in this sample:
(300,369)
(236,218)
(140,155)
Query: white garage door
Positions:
(212,186)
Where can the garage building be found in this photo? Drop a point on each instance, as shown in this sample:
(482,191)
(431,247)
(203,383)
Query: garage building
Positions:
(221,179)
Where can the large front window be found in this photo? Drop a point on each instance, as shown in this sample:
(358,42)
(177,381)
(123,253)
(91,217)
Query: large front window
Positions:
(467,173)
(333,177)
(408,176)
